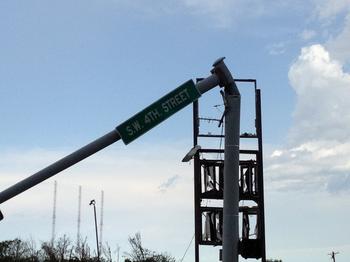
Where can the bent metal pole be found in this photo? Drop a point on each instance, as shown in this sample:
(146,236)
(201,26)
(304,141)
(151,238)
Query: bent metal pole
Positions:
(60,165)
(230,238)
(231,177)
(220,75)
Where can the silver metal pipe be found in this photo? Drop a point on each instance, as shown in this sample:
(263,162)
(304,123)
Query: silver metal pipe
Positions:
(231,176)
(207,83)
(60,165)
(93,203)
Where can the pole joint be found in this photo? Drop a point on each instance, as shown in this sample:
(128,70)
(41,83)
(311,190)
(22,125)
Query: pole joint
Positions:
(225,77)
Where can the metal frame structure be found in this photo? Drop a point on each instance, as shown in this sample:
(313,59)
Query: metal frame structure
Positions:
(251,188)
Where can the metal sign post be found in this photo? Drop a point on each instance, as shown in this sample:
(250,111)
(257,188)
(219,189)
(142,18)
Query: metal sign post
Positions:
(231,176)
(210,184)
(132,128)
(230,238)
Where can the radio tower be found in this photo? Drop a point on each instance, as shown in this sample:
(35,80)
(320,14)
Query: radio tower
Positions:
(332,254)
(79,217)
(101,219)
(54,214)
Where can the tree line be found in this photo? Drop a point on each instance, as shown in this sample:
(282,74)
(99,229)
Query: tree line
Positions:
(63,250)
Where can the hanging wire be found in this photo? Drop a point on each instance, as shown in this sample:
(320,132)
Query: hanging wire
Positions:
(188,247)
(217,107)
(219,156)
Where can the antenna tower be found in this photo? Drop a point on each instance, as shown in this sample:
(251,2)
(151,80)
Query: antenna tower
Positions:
(332,254)
(79,217)
(54,213)
(101,219)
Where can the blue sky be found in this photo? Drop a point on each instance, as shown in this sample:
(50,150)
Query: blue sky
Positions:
(70,71)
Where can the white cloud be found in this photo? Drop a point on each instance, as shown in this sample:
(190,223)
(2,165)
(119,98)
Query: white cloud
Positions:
(217,14)
(219,11)
(277,48)
(330,8)
(318,154)
(307,34)
(310,166)
(169,183)
(322,89)
(339,45)
(232,13)
(276,153)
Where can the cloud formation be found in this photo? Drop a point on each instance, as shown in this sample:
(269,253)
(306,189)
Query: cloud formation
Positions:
(317,156)
(308,34)
(339,45)
(322,89)
(169,183)
(277,48)
(326,9)
(221,14)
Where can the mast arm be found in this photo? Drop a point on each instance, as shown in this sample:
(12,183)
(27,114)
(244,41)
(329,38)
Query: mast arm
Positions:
(220,76)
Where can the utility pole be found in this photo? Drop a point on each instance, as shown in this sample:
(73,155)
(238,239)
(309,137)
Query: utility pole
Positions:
(209,183)
(332,254)
(93,203)
(118,249)
(231,167)
(54,214)
(101,219)
(79,217)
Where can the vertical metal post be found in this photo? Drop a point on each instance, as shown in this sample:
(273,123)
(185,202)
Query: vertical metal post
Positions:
(98,249)
(93,203)
(101,219)
(197,184)
(260,175)
(54,214)
(79,217)
(231,176)
(118,249)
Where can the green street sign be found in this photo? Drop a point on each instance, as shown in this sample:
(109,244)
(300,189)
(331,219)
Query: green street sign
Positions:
(157,112)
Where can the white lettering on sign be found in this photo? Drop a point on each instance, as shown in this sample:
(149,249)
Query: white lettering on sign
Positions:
(176,100)
(133,128)
(152,116)
(158,112)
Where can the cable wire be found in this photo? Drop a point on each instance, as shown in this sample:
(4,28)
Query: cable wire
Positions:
(188,247)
